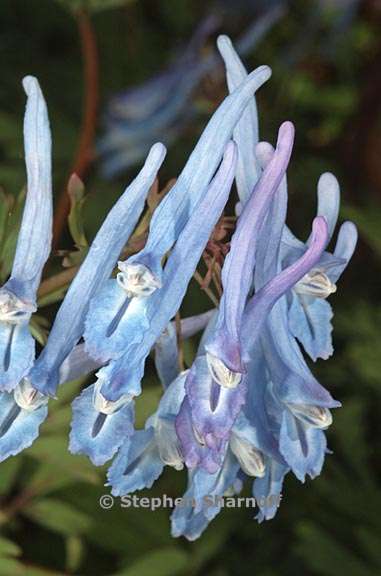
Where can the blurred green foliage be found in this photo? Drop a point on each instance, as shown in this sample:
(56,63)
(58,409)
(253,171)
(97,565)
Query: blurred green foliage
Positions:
(50,518)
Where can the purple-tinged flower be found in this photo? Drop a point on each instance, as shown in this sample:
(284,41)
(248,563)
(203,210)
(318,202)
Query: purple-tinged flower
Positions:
(310,314)
(123,376)
(210,409)
(118,382)
(224,347)
(144,454)
(122,303)
(202,500)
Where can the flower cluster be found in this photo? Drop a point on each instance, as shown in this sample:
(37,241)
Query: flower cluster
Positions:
(248,406)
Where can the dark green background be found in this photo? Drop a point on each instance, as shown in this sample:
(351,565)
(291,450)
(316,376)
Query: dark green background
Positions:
(327,80)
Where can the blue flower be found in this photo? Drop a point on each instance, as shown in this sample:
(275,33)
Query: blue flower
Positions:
(94,272)
(120,308)
(18,295)
(144,454)
(120,380)
(33,382)
(248,407)
(123,376)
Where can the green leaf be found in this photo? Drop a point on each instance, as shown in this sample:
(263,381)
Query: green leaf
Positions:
(164,562)
(11,567)
(146,403)
(58,516)
(9,548)
(327,557)
(11,230)
(9,470)
(367,220)
(52,451)
(74,552)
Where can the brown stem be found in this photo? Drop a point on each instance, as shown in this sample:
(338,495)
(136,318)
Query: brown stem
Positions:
(84,152)
(199,279)
(179,342)
(57,281)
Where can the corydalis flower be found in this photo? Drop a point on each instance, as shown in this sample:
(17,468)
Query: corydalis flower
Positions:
(18,295)
(248,406)
(120,381)
(209,410)
(25,409)
(123,302)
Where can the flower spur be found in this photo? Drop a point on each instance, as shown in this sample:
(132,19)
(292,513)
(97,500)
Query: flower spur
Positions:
(18,295)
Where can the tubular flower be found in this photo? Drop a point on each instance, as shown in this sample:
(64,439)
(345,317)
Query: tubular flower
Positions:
(18,295)
(246,407)
(125,299)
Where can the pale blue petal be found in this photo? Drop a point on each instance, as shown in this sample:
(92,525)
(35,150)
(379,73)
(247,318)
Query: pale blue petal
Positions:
(245,133)
(77,365)
(274,225)
(34,239)
(267,491)
(167,356)
(173,396)
(95,434)
(302,447)
(166,348)
(255,408)
(110,314)
(137,464)
(344,249)
(328,191)
(18,428)
(260,305)
(310,323)
(200,504)
(17,349)
(69,323)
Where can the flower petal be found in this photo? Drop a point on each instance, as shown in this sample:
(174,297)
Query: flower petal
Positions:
(17,349)
(238,269)
(18,428)
(137,464)
(303,447)
(34,239)
(310,323)
(245,133)
(267,490)
(95,434)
